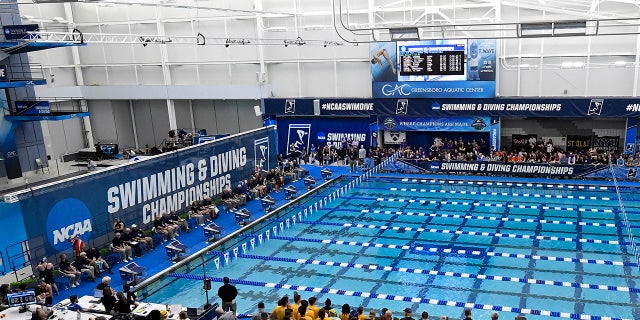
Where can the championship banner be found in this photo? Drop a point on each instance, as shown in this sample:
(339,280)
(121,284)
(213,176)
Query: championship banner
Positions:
(19,31)
(521,169)
(452,107)
(303,132)
(459,124)
(142,190)
(575,143)
(606,144)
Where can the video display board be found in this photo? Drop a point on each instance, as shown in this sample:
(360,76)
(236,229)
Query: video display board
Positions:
(434,69)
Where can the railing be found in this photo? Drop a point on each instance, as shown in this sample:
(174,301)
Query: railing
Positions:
(624,216)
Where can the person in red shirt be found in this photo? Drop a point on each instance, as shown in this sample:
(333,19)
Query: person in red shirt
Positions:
(77,244)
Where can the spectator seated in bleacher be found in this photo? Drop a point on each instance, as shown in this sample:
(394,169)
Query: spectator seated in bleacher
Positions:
(209,209)
(230,203)
(118,245)
(196,211)
(160,228)
(289,172)
(138,235)
(179,222)
(67,270)
(94,256)
(239,195)
(85,266)
(252,188)
(270,179)
(127,238)
(170,224)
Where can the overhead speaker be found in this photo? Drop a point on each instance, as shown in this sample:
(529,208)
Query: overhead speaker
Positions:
(316,107)
(257,110)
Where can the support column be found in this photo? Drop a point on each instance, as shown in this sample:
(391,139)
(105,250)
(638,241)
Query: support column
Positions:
(166,72)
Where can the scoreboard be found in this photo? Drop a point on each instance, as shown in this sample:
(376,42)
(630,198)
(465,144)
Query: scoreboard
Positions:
(432,60)
(422,64)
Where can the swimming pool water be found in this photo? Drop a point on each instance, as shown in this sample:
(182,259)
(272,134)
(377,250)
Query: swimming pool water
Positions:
(549,247)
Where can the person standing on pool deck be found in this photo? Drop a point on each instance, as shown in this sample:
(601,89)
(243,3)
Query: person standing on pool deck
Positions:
(228,293)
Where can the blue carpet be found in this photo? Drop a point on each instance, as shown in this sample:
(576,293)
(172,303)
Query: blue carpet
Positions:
(156,260)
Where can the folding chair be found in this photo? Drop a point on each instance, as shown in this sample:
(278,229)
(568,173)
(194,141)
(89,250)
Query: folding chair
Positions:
(212,231)
(41,165)
(243,216)
(290,192)
(268,203)
(309,182)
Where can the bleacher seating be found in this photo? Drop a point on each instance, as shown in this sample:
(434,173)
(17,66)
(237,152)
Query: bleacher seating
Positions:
(309,182)
(326,173)
(268,203)
(175,250)
(290,192)
(243,216)
(212,232)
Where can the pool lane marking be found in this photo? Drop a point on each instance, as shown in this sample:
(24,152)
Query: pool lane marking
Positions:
(490,218)
(509,184)
(460,251)
(486,204)
(504,194)
(440,273)
(450,303)
(460,232)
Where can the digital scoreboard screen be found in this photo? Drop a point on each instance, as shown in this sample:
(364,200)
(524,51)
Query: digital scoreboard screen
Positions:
(434,60)
(21,298)
(422,64)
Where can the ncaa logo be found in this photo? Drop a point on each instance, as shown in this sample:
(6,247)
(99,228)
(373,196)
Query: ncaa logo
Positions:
(435,106)
(261,153)
(322,137)
(66,219)
(389,123)
(290,106)
(434,166)
(595,107)
(401,106)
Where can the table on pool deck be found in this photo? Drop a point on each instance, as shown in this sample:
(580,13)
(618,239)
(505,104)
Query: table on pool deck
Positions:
(59,313)
(142,310)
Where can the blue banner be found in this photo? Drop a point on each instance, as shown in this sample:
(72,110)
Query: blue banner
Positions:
(302,133)
(510,107)
(472,124)
(139,191)
(494,134)
(630,137)
(32,107)
(20,31)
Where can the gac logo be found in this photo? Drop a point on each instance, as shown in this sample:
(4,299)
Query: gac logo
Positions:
(389,90)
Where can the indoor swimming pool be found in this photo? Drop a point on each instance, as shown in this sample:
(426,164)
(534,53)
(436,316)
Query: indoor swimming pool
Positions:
(544,249)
